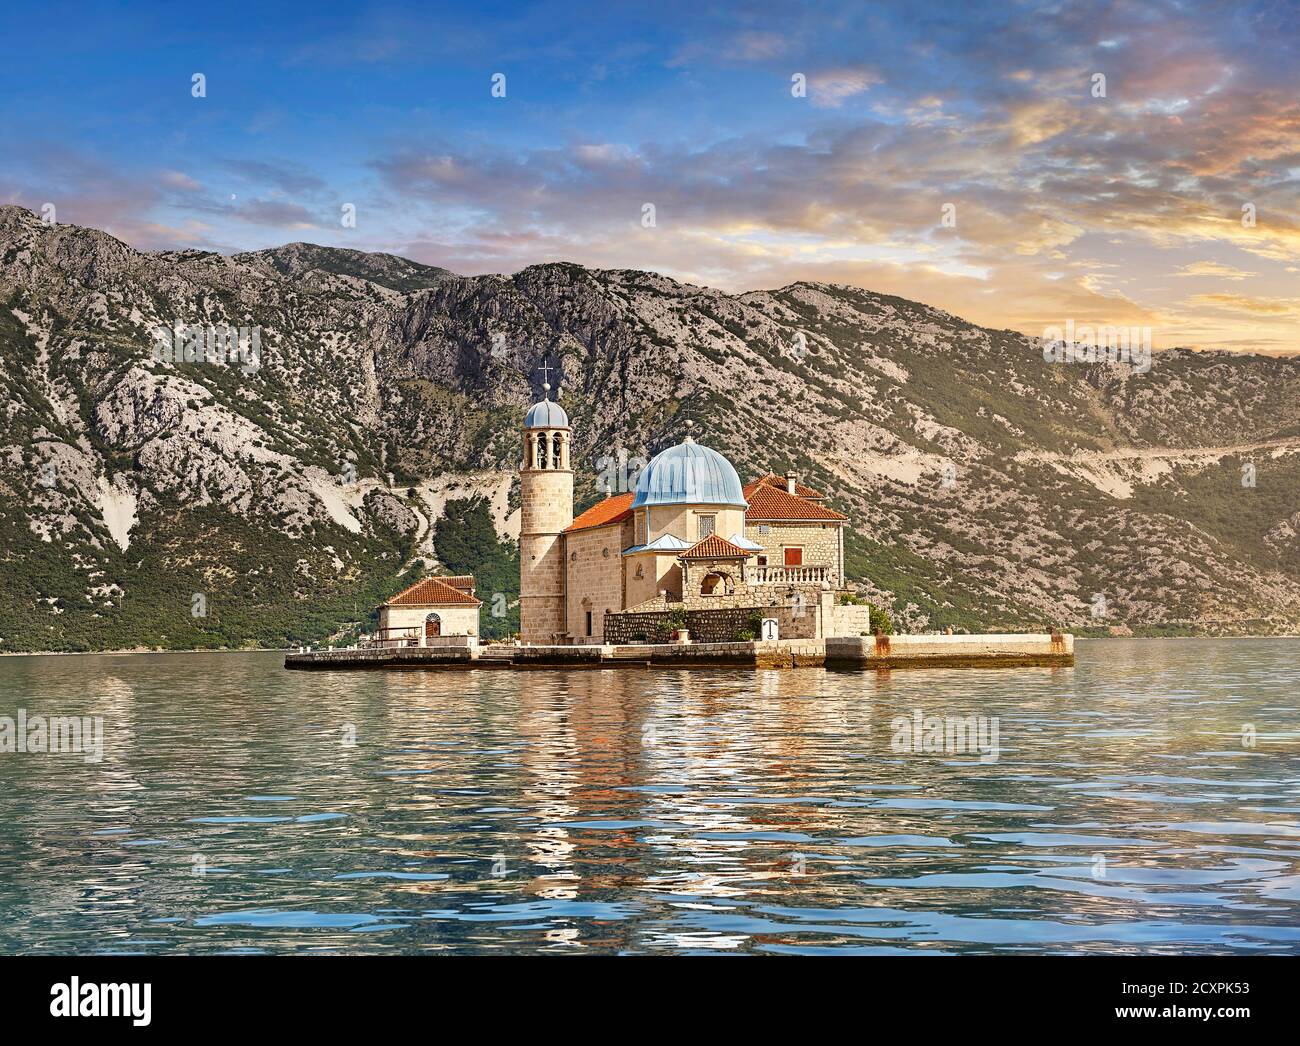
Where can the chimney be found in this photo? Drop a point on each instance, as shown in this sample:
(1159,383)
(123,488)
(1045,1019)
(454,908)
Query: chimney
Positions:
(789,483)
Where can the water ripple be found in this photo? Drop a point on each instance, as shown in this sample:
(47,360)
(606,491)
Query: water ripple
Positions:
(242,809)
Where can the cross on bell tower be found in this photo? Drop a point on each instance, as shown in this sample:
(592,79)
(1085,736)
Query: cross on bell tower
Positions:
(546,369)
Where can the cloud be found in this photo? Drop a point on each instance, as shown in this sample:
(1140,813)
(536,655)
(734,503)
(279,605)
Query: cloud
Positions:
(1215,269)
(282,176)
(831,88)
(179,180)
(277,213)
(753,45)
(1241,303)
(1065,204)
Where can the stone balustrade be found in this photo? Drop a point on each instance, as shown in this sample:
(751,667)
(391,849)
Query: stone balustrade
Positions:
(778,575)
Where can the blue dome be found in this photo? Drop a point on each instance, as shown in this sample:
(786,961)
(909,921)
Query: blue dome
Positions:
(546,415)
(688,474)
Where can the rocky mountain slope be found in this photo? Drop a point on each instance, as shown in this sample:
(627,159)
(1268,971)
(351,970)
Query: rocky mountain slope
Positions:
(180,504)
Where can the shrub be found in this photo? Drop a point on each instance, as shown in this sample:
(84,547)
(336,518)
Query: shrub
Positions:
(881,622)
(751,629)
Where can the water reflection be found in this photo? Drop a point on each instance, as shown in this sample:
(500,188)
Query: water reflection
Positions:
(239,807)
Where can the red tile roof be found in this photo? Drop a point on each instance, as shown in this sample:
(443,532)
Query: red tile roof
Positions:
(464,582)
(714,547)
(768,503)
(613,509)
(436,592)
(773,480)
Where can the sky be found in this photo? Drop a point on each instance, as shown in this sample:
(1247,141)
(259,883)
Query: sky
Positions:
(964,155)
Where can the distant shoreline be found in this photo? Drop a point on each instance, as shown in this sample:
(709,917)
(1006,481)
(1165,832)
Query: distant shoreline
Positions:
(289,649)
(192,650)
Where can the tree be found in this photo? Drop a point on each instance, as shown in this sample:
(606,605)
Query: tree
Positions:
(881,622)
(466,542)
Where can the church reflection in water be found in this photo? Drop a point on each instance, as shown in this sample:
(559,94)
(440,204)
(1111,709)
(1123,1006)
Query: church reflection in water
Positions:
(652,788)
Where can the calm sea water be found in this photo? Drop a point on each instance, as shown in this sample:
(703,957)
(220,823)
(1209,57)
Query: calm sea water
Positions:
(657,811)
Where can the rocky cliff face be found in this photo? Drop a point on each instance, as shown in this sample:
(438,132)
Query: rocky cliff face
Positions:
(989,489)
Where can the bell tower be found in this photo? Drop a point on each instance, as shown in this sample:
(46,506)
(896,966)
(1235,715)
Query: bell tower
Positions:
(546,489)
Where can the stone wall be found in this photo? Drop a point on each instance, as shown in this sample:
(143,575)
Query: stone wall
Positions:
(846,652)
(452,642)
(991,649)
(849,621)
(658,572)
(594,562)
(714,625)
(766,597)
(683,521)
(820,543)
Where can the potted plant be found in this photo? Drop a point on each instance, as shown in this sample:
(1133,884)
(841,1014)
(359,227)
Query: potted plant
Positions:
(674,622)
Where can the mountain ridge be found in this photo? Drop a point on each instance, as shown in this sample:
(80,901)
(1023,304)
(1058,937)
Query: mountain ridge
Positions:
(967,463)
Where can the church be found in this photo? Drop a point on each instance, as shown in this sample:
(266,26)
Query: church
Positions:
(690,548)
(690,537)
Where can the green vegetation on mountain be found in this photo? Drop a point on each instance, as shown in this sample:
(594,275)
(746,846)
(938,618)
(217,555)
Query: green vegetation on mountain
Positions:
(466,543)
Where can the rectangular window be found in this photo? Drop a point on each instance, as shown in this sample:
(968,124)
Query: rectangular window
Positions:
(706,525)
(588,622)
(762,561)
(640,527)
(794,556)
(763,528)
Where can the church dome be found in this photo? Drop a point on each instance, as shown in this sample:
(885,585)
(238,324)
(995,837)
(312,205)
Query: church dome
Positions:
(688,474)
(546,415)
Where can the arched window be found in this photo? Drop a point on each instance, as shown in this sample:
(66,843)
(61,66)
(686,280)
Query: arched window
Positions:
(717,583)
(541,450)
(556,442)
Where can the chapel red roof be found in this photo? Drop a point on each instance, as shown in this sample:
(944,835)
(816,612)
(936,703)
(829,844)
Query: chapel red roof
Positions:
(613,509)
(437,592)
(714,547)
(464,582)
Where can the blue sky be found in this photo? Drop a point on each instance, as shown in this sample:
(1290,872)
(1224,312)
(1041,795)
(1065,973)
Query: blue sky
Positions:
(1117,209)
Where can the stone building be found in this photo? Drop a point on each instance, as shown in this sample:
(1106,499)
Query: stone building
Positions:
(690,537)
(432,608)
